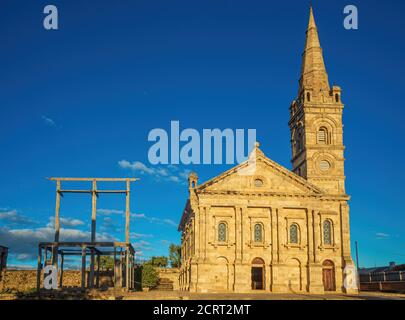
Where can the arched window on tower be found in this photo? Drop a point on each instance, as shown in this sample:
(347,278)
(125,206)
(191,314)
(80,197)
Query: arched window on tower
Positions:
(222,232)
(258,236)
(322,135)
(308,97)
(294,234)
(337,98)
(327,232)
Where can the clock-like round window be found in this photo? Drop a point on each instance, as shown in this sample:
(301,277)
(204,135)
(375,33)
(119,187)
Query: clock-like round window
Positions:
(324,165)
(259,183)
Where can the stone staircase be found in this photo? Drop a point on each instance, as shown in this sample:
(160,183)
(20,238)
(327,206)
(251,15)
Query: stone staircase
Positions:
(164,284)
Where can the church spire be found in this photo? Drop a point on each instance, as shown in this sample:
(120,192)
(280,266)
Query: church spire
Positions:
(313,72)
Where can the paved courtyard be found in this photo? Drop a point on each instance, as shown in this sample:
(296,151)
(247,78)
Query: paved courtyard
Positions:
(179,295)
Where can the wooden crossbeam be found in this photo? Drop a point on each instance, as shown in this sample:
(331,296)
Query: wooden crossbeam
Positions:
(91,191)
(93,179)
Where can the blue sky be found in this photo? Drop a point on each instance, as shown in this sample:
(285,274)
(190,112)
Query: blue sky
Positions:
(77,101)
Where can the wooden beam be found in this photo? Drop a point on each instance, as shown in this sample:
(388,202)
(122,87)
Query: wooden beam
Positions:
(98,272)
(93,229)
(57,224)
(83,267)
(127,212)
(92,179)
(127,269)
(87,244)
(91,191)
(61,270)
(39,268)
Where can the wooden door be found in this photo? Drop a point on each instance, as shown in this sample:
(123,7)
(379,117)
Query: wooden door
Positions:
(328,275)
(257,278)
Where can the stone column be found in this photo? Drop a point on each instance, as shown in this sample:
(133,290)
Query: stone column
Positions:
(278,267)
(315,282)
(348,268)
(241,273)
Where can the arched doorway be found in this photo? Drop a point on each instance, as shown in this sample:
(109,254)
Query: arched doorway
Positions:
(258,274)
(328,275)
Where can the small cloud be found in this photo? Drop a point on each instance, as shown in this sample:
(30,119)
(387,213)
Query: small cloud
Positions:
(12,217)
(48,121)
(136,166)
(382,236)
(165,242)
(137,215)
(109,212)
(65,222)
(135,235)
(133,215)
(169,173)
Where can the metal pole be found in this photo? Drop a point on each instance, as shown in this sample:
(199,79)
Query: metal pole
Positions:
(357,256)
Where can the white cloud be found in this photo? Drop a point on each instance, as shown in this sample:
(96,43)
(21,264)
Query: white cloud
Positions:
(65,222)
(170,173)
(381,235)
(150,219)
(12,217)
(135,235)
(48,121)
(108,212)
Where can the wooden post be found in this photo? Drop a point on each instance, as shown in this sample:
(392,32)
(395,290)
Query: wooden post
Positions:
(115,267)
(39,268)
(83,267)
(57,224)
(127,212)
(98,271)
(61,270)
(127,253)
(93,230)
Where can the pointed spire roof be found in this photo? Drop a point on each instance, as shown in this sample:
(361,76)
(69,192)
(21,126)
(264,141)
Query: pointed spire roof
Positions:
(313,71)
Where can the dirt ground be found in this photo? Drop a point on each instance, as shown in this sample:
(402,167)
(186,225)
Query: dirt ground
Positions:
(181,295)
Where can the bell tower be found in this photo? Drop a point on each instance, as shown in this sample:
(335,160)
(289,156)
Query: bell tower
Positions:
(316,121)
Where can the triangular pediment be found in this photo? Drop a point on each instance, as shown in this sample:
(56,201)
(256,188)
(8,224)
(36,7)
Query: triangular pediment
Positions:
(259,174)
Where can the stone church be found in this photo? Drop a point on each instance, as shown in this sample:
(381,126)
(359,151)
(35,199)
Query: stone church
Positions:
(260,226)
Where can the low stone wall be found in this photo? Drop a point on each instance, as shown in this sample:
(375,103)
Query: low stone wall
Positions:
(172,274)
(26,280)
(391,286)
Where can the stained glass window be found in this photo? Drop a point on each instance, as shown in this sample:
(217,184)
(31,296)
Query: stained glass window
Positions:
(327,232)
(222,232)
(258,233)
(294,233)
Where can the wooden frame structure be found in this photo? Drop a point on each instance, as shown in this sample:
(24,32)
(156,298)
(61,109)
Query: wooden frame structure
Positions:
(3,260)
(123,252)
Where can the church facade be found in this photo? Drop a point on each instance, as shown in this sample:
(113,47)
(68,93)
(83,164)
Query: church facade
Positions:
(260,226)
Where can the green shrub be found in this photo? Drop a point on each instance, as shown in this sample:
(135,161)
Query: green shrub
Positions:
(150,276)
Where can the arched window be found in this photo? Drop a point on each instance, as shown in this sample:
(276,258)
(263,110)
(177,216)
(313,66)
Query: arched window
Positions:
(222,230)
(337,97)
(327,232)
(308,97)
(294,234)
(258,236)
(323,135)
